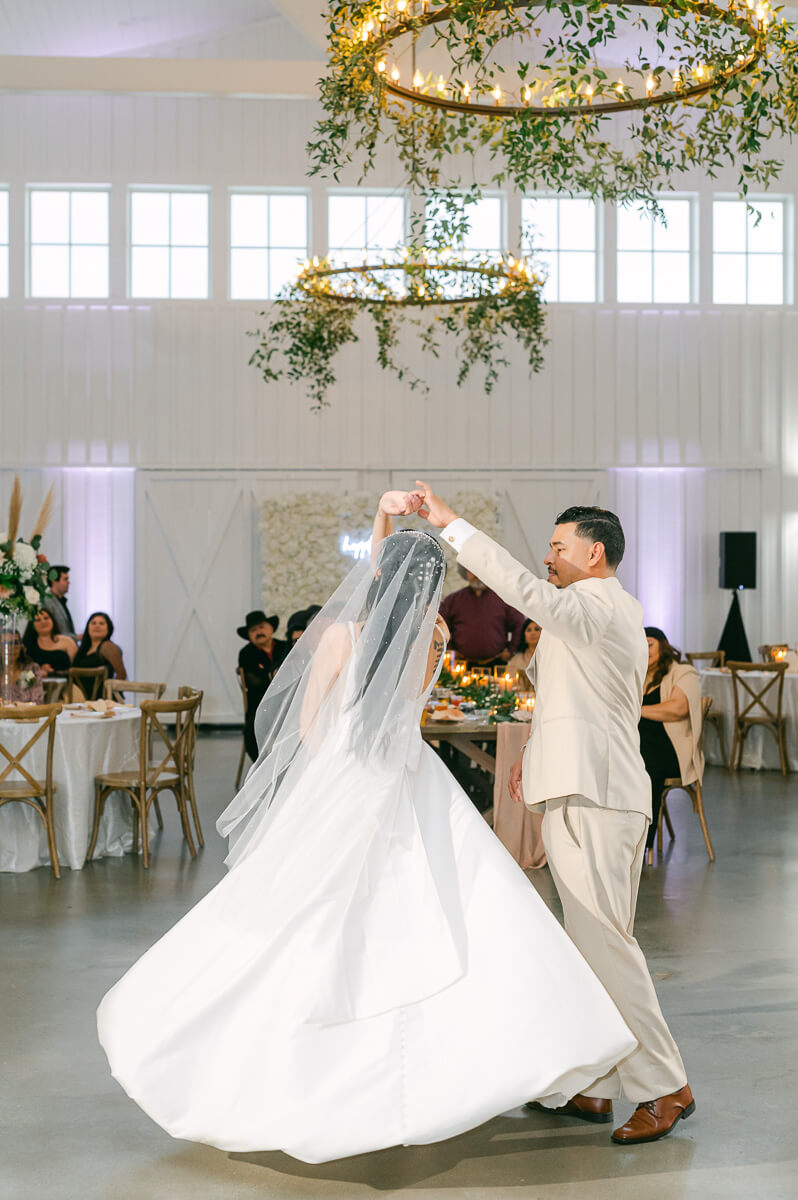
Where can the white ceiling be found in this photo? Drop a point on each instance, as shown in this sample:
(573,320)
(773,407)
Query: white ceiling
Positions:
(158,28)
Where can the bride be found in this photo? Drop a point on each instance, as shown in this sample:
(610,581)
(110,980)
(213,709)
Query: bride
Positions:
(374,969)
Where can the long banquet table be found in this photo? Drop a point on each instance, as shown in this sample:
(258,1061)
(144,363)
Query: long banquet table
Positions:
(84,747)
(760,745)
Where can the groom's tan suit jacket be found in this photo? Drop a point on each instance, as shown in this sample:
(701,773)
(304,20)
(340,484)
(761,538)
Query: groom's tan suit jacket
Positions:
(589,667)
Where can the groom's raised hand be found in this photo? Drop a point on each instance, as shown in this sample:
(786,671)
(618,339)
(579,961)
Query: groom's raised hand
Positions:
(436,511)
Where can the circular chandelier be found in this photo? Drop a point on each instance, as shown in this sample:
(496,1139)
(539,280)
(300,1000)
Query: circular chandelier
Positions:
(477,303)
(420,279)
(535,91)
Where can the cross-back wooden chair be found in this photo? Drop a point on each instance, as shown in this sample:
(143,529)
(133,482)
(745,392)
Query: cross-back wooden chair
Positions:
(184,693)
(115,689)
(694,790)
(242,683)
(712,658)
(36,793)
(774,652)
(144,785)
(90,681)
(758,702)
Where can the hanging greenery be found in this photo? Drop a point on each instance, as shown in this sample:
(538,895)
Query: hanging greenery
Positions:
(434,291)
(706,88)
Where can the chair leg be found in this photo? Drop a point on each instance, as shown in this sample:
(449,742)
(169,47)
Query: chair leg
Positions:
(240,770)
(699,807)
(733,751)
(49,825)
(785,765)
(180,796)
(158,816)
(99,805)
(718,724)
(193,802)
(145,836)
(659,827)
(667,817)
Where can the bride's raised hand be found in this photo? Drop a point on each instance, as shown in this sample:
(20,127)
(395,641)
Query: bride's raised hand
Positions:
(400,504)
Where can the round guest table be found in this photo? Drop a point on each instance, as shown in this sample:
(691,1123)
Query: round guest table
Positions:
(85,746)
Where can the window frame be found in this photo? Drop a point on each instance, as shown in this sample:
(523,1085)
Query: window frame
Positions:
(787,201)
(170,190)
(104,188)
(403,193)
(598,232)
(264,191)
(694,253)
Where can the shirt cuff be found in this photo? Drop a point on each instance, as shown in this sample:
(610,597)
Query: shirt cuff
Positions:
(457,533)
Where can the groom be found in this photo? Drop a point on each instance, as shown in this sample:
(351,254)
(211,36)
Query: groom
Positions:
(582,762)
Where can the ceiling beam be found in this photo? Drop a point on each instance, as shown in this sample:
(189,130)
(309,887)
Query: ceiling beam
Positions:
(181,76)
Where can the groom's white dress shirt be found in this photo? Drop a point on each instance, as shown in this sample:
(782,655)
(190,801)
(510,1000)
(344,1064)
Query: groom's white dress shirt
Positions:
(590,670)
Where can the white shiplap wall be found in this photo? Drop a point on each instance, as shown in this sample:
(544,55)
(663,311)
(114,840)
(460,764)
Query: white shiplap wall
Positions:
(685,420)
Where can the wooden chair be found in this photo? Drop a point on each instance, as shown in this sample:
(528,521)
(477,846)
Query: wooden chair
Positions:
(754,705)
(773,653)
(36,793)
(174,773)
(713,658)
(189,758)
(115,689)
(89,680)
(694,791)
(53,689)
(243,685)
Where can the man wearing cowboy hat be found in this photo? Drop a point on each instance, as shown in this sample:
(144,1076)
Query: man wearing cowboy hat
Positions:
(259,660)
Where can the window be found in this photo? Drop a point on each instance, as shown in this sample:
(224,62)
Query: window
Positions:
(483,237)
(364,225)
(268,239)
(748,260)
(654,258)
(3,242)
(68,242)
(560,236)
(169,245)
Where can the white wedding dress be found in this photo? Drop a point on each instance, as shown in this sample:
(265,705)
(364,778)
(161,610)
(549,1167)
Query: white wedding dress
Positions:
(376,971)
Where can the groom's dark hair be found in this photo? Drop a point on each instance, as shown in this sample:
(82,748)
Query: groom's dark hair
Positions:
(599,525)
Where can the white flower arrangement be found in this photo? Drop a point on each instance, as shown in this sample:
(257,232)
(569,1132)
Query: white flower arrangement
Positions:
(26,679)
(23,570)
(302,537)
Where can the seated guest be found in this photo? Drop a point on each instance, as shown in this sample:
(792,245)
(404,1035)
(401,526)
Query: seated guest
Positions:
(297,624)
(53,651)
(96,648)
(527,644)
(55,601)
(670,724)
(26,676)
(482,626)
(259,660)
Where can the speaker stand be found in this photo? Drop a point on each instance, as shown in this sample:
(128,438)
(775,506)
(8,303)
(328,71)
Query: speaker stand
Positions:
(733,640)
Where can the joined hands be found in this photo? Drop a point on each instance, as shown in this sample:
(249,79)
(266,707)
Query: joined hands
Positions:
(421,500)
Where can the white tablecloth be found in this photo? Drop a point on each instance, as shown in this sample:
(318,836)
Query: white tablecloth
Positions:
(84,747)
(760,744)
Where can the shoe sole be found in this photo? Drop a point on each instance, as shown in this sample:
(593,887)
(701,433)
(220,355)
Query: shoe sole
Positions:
(593,1118)
(655,1137)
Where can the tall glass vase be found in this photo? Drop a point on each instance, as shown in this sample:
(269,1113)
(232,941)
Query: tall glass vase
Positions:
(8,636)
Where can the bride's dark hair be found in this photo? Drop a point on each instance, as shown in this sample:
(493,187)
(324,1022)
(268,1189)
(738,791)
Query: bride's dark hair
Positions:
(409,569)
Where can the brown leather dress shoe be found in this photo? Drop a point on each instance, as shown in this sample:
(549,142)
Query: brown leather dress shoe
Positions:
(655,1118)
(586,1108)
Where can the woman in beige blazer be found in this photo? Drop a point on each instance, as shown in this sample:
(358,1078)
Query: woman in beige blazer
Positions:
(670,723)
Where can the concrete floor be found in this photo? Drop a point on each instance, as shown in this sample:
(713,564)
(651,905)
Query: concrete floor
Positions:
(721,942)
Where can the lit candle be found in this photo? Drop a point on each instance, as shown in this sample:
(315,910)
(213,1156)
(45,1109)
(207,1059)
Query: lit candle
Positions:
(418,79)
(381,66)
(466,92)
(497,95)
(651,83)
(527,94)
(395,74)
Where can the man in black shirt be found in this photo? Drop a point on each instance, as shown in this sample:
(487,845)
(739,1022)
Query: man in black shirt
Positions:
(55,601)
(259,660)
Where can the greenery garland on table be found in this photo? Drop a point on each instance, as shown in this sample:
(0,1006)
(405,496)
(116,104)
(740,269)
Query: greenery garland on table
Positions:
(483,691)
(710,89)
(434,290)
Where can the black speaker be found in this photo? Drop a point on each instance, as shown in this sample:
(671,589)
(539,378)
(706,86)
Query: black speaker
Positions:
(737,560)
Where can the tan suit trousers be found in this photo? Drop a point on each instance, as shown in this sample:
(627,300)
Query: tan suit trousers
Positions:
(595,856)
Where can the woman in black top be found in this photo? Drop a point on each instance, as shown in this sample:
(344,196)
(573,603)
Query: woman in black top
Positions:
(659,755)
(53,651)
(96,648)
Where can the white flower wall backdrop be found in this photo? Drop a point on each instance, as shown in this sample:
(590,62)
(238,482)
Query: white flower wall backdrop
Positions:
(301,537)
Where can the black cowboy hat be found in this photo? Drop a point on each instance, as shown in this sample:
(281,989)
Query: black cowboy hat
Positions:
(258,617)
